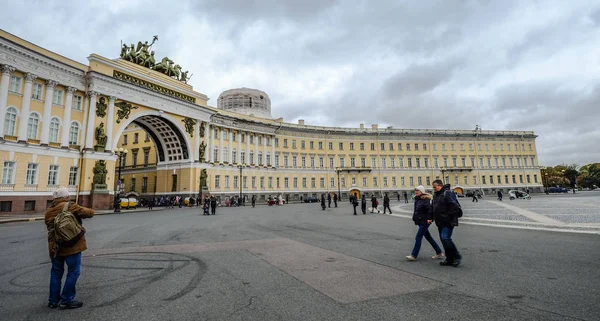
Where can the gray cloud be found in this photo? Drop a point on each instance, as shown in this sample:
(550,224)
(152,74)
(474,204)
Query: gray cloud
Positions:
(435,64)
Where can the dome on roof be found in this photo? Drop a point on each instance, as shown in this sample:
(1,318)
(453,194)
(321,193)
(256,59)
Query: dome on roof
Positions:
(246,101)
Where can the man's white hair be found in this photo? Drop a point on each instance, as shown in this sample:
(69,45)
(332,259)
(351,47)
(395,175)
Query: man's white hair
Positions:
(61,192)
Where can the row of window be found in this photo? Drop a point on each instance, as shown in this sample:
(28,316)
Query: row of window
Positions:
(33,169)
(10,127)
(234,137)
(386,182)
(411,162)
(407,146)
(37,92)
(133,186)
(136,138)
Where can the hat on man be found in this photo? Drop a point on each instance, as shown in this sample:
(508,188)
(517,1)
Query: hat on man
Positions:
(420,188)
(61,192)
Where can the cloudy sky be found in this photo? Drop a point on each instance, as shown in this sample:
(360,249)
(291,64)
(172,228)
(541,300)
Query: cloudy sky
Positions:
(503,65)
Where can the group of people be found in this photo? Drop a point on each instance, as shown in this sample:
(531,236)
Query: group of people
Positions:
(354,200)
(335,199)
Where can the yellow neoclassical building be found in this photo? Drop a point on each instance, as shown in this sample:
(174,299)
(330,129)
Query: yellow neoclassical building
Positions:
(65,124)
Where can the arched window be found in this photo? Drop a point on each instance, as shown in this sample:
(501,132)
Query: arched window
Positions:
(32,126)
(224,154)
(74,134)
(54,126)
(216,154)
(10,122)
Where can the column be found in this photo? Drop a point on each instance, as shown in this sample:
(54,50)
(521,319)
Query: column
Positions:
(29,78)
(220,155)
(110,123)
(89,135)
(264,150)
(207,151)
(273,152)
(239,148)
(6,71)
(255,160)
(64,142)
(248,160)
(211,143)
(230,151)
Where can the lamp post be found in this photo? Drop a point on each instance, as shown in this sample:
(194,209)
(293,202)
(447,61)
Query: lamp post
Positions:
(241,167)
(338,170)
(121,153)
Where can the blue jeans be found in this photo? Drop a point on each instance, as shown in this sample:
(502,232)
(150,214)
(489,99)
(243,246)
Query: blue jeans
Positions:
(449,246)
(424,231)
(58,269)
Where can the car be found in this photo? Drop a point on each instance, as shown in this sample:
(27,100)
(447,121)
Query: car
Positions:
(311,199)
(128,203)
(557,190)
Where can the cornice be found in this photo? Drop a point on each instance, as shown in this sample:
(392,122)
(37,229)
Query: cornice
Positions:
(109,86)
(31,62)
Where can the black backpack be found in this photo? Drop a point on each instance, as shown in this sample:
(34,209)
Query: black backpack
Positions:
(458,212)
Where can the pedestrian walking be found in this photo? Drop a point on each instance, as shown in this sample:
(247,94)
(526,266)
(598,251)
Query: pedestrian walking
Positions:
(475,198)
(500,195)
(329,200)
(421,214)
(374,204)
(405,197)
(213,205)
(363,204)
(150,204)
(64,250)
(398,194)
(253,200)
(386,204)
(323,201)
(335,199)
(445,211)
(354,203)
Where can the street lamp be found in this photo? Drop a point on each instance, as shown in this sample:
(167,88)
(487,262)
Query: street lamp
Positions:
(241,167)
(121,153)
(338,170)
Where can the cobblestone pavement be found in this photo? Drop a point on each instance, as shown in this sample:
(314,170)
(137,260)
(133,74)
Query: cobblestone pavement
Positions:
(569,212)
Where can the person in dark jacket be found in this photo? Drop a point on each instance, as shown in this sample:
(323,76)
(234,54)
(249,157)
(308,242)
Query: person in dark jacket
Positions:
(444,211)
(354,203)
(323,201)
(253,200)
(500,195)
(363,204)
(335,199)
(405,197)
(420,215)
(328,200)
(474,199)
(213,205)
(386,204)
(374,204)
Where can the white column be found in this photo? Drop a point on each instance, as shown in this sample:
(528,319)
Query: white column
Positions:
(248,160)
(256,150)
(89,135)
(230,151)
(273,152)
(6,71)
(239,148)
(29,78)
(64,142)
(110,123)
(220,155)
(264,150)
(197,139)
(207,151)
(211,143)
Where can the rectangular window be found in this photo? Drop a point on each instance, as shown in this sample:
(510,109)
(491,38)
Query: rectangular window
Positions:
(393,162)
(499,179)
(436,163)
(73,171)
(514,179)
(217,181)
(402,181)
(31,176)
(285,161)
(383,162)
(303,182)
(253,181)
(425,148)
(343,182)
(489,162)
(295,182)
(322,182)
(262,182)
(418,160)
(29,206)
(521,179)
(312,145)
(53,175)
(8,173)
(303,161)
(412,181)
(124,139)
(374,181)
(235,182)
(312,162)
(362,146)
(419,180)
(320,145)
(353,181)
(364,181)
(407,146)
(321,162)
(401,162)
(313,182)
(271,181)
(399,146)
(372,146)
(174,183)
(342,163)
(416,147)
(293,143)
(491,179)
(506,179)
(382,146)
(134,157)
(233,137)
(146,156)
(286,182)
(6,206)
(77,102)
(391,146)
(276,160)
(351,146)
(132,184)
(331,162)
(294,161)
(443,147)
(535,178)
(474,180)
(144,184)
(373,162)
(285,142)
(341,146)
(37,92)
(466,180)
(352,162)
(303,144)
(136,138)
(385,181)
(394,181)
(226,181)
(15,84)
(363,162)
(410,162)
(57,97)
(276,141)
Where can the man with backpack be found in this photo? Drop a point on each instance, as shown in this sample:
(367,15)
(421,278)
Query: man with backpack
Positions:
(445,211)
(66,241)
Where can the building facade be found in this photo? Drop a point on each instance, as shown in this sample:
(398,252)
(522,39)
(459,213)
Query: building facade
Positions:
(64,121)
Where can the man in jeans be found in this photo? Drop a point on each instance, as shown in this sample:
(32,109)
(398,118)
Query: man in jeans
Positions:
(444,211)
(60,255)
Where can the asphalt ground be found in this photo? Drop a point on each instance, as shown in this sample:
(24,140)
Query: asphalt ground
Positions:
(297,262)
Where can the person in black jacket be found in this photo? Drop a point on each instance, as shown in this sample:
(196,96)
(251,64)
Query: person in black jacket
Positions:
(445,210)
(363,204)
(213,205)
(386,204)
(354,203)
(329,200)
(374,204)
(335,199)
(421,213)
(323,201)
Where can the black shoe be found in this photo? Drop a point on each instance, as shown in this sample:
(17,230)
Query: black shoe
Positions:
(456,262)
(52,305)
(71,305)
(446,263)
